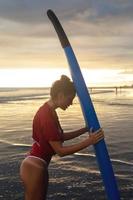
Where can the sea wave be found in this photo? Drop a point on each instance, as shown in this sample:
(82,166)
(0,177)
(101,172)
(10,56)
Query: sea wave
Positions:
(113,160)
(10,95)
(120,104)
(14,144)
(114,103)
(12,99)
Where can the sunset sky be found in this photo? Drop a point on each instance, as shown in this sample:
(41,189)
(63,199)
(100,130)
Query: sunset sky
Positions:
(100,31)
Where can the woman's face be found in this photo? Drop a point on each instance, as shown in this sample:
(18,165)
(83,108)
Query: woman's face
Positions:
(65,101)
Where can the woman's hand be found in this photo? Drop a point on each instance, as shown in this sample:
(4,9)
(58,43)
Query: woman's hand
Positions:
(96,136)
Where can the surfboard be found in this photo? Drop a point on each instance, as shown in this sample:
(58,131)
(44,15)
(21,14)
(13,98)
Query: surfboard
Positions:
(88,110)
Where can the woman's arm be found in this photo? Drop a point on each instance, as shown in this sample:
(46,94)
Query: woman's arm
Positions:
(67,150)
(74,134)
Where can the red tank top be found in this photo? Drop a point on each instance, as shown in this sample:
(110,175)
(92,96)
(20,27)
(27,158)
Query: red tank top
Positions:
(46,127)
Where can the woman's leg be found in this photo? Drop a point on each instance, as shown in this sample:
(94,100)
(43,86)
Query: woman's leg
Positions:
(34,175)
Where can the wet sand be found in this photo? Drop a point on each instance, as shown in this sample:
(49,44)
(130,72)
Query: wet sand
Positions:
(72,178)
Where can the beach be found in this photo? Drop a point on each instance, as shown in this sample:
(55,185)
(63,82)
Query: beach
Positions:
(74,177)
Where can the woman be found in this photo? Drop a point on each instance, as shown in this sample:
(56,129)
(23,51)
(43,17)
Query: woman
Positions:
(48,140)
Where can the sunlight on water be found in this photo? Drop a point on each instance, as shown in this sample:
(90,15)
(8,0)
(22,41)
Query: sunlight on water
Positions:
(19,106)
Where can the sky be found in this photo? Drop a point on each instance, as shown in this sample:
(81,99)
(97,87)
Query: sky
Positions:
(100,33)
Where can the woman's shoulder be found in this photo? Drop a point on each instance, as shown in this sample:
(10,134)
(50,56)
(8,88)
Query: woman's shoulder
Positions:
(45,110)
(46,113)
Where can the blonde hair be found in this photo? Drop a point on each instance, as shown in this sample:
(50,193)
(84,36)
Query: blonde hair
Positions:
(63,85)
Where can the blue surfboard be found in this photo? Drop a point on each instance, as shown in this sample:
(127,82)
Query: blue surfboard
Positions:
(89,113)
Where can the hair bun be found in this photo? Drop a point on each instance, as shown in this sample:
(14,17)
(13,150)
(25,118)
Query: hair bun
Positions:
(65,78)
(64,85)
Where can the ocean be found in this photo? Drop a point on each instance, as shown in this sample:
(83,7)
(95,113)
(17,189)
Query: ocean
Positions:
(77,175)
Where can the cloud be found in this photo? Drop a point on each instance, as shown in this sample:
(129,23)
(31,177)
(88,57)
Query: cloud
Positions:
(21,11)
(32,11)
(127,72)
(90,17)
(101,29)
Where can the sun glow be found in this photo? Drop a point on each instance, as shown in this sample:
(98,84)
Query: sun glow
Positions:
(45,77)
(29,77)
(101,77)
